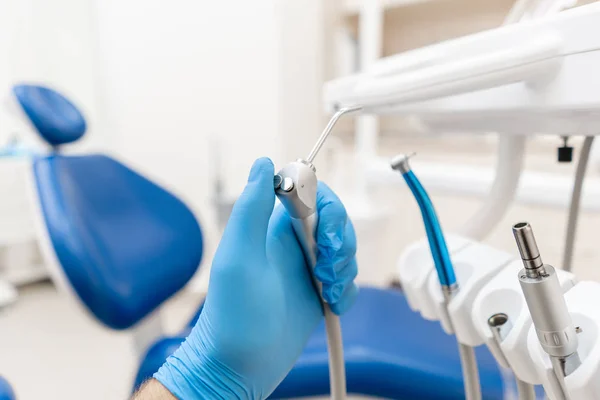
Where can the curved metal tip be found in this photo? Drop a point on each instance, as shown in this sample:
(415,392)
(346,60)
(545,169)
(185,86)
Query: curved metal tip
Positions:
(315,150)
(349,109)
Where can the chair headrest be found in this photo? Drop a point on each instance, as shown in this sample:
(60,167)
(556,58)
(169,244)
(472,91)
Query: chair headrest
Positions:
(56,119)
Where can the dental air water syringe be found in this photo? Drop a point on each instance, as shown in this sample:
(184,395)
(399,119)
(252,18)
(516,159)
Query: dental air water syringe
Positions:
(296,187)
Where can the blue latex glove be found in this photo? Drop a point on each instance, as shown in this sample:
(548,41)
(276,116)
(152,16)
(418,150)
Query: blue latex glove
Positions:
(261,306)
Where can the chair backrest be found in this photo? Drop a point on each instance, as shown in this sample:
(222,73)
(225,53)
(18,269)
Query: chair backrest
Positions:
(6,392)
(124,244)
(121,243)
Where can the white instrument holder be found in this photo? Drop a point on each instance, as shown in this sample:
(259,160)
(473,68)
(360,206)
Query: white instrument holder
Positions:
(503,294)
(414,268)
(583,384)
(474,266)
(8,294)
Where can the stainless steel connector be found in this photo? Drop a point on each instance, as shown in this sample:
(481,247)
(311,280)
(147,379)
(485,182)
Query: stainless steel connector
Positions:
(500,325)
(544,297)
(530,254)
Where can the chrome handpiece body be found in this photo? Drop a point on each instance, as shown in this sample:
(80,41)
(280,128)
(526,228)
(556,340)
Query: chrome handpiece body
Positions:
(443,266)
(296,188)
(544,297)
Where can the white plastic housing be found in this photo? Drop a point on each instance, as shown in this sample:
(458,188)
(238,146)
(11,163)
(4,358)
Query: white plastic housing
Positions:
(501,97)
(414,268)
(503,294)
(474,267)
(584,383)
(8,294)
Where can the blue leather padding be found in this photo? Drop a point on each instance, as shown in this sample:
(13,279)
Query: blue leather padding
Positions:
(390,352)
(6,392)
(124,243)
(55,118)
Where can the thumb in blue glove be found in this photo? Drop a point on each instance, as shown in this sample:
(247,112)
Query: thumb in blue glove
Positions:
(261,306)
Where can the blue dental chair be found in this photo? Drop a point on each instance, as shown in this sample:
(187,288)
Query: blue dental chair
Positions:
(123,245)
(6,392)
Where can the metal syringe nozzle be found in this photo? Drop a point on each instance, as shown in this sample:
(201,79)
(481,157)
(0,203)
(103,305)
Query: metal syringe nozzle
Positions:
(530,254)
(315,150)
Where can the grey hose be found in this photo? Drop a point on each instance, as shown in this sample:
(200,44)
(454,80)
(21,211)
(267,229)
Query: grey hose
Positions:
(567,264)
(470,372)
(525,390)
(335,347)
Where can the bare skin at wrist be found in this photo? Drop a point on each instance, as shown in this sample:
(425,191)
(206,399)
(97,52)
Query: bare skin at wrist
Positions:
(153,390)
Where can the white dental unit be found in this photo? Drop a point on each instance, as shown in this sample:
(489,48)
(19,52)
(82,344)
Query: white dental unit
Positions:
(536,76)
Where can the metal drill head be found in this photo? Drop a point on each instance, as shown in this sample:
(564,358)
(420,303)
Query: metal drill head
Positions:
(530,254)
(400,162)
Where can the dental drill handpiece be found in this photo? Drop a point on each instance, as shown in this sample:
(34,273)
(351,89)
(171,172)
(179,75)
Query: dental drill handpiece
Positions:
(544,297)
(435,236)
(296,188)
(443,266)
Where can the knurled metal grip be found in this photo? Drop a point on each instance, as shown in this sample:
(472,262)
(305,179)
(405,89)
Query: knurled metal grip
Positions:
(551,318)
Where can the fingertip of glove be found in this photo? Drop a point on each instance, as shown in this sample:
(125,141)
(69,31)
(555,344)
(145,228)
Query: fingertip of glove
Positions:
(262,169)
(325,273)
(330,244)
(346,301)
(332,293)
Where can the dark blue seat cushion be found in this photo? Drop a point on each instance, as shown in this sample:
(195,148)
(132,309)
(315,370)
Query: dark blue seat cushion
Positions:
(124,243)
(55,118)
(6,392)
(390,352)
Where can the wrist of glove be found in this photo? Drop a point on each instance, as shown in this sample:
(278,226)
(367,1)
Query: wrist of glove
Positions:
(193,372)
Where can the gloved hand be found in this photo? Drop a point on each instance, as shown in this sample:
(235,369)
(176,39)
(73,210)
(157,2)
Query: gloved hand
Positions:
(261,306)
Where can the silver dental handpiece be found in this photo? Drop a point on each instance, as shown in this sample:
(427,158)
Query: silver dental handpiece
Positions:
(296,187)
(544,297)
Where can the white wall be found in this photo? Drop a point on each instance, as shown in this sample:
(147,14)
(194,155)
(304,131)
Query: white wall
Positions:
(50,42)
(177,74)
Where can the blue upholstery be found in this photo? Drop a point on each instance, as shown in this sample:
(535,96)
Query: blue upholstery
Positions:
(55,118)
(124,243)
(390,352)
(6,392)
